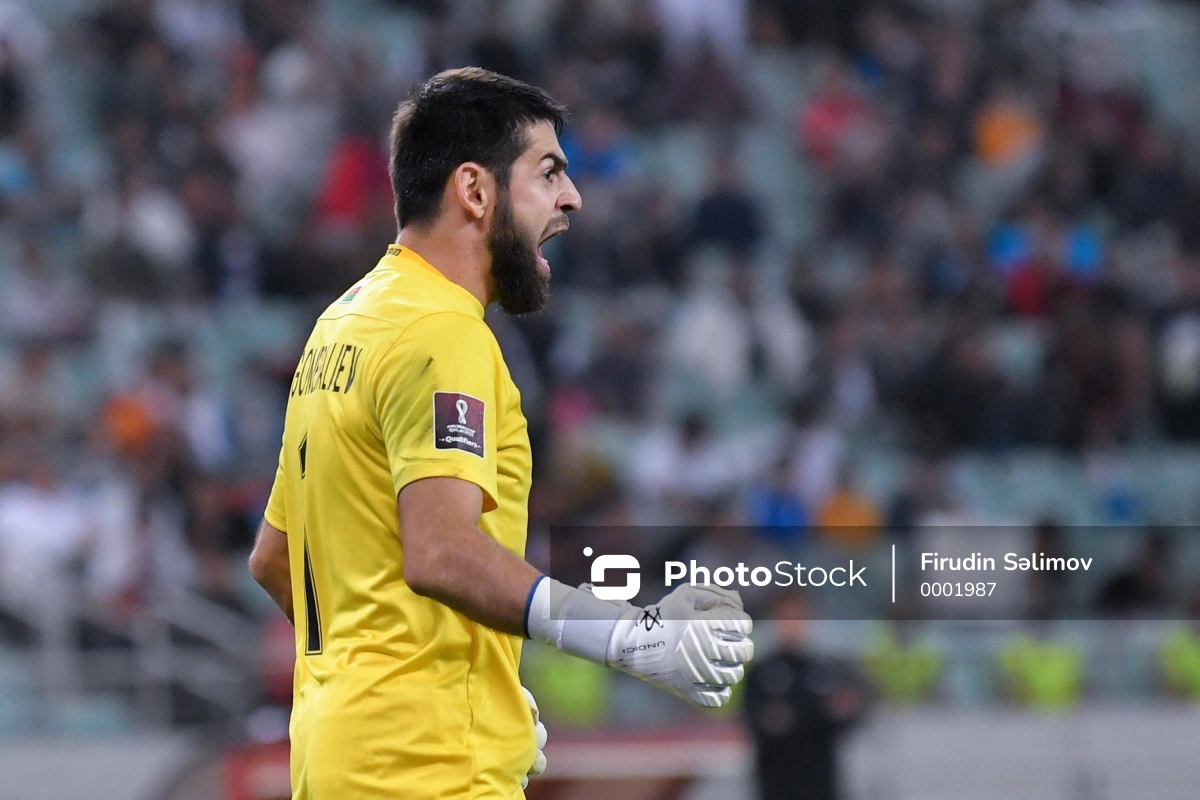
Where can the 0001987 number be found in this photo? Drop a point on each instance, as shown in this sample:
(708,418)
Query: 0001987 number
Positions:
(957,589)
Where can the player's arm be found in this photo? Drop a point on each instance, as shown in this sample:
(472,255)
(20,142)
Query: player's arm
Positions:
(269,566)
(449,559)
(693,644)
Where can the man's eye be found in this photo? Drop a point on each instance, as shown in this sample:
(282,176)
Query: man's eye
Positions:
(549,175)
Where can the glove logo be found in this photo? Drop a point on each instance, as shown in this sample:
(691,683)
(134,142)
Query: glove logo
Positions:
(650,619)
(633,579)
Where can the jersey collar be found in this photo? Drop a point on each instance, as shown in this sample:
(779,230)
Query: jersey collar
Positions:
(397,255)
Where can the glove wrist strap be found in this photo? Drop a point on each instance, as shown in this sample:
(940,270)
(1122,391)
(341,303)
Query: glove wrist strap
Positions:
(573,620)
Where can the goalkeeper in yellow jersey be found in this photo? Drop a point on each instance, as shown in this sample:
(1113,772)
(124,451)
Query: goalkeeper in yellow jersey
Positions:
(394,535)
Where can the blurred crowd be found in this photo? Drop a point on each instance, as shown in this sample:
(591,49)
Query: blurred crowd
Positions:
(944,228)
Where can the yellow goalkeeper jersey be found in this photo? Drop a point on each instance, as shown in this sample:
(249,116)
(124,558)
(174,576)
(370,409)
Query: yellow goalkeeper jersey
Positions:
(397,695)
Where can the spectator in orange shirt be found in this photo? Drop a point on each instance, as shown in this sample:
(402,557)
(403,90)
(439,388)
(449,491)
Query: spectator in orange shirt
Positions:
(1007,129)
(849,518)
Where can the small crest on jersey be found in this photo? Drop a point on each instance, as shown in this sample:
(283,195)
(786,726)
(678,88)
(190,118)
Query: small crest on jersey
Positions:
(458,422)
(350,295)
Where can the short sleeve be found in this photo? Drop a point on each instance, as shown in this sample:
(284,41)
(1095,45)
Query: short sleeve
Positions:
(276,513)
(435,399)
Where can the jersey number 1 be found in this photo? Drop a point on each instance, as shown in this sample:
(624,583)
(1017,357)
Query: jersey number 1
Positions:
(313,646)
(312,610)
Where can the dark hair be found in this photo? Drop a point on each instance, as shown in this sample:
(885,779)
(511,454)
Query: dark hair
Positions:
(461,115)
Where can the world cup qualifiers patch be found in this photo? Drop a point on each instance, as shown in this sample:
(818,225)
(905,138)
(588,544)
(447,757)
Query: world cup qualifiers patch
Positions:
(458,422)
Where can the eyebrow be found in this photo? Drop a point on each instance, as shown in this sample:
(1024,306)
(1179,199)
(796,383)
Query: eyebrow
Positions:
(560,163)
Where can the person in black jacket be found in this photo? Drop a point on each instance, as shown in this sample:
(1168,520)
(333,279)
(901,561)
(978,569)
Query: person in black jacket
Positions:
(798,705)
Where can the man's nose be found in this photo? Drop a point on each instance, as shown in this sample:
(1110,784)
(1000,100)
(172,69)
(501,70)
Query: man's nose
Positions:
(570,199)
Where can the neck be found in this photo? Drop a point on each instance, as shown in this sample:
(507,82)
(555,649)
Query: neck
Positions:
(460,254)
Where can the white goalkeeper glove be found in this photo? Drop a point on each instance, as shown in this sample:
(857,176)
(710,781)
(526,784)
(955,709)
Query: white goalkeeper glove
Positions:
(539,733)
(694,643)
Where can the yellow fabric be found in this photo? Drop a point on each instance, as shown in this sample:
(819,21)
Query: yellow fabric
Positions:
(904,673)
(1179,657)
(397,695)
(1043,675)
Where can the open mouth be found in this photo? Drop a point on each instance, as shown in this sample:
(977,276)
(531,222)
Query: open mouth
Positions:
(541,258)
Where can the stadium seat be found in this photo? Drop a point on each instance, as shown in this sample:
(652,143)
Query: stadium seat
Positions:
(16,694)
(88,716)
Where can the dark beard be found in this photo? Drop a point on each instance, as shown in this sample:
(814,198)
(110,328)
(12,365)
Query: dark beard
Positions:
(519,285)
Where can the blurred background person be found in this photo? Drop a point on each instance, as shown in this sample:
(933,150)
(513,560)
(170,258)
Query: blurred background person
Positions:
(1041,671)
(904,669)
(798,705)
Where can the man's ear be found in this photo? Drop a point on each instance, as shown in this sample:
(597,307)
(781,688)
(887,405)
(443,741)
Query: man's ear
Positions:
(473,188)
